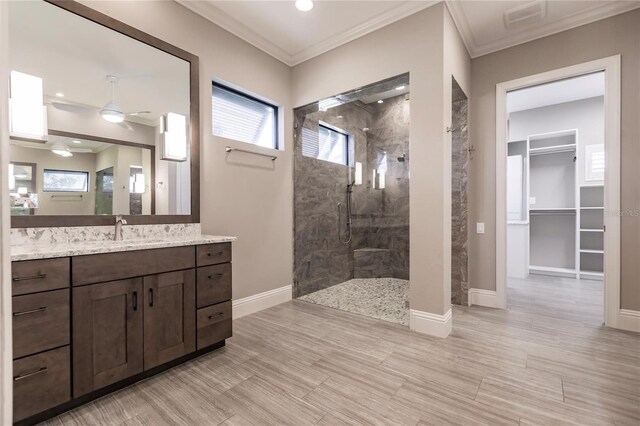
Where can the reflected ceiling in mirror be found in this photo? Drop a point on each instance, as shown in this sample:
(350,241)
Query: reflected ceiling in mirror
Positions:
(102,85)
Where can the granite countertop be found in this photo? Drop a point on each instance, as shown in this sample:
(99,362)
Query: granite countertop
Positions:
(46,251)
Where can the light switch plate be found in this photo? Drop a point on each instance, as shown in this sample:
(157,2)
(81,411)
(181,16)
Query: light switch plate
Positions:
(480,228)
(532,200)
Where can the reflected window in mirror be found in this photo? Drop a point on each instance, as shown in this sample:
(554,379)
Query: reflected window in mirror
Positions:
(86,177)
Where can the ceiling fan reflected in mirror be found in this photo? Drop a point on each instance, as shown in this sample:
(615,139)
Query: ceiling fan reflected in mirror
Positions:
(111,112)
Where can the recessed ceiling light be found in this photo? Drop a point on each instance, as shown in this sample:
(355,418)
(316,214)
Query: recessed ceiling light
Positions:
(60,95)
(76,141)
(399,87)
(339,116)
(304,5)
(380,101)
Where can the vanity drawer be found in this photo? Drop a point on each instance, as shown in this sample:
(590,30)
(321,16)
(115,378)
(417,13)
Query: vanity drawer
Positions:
(214,324)
(212,254)
(97,268)
(32,276)
(214,284)
(40,322)
(41,382)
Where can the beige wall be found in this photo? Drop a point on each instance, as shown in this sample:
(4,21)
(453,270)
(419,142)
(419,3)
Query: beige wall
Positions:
(616,35)
(415,44)
(249,201)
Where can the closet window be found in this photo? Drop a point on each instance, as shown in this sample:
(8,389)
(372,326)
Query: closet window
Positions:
(244,118)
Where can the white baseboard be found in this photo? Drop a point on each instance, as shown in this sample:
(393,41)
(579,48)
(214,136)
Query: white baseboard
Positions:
(431,324)
(480,297)
(629,320)
(260,301)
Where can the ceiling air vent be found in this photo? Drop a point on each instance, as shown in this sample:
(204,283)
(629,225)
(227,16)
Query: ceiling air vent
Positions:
(525,14)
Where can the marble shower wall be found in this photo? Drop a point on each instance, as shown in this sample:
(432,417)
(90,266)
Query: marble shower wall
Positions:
(459,194)
(380,217)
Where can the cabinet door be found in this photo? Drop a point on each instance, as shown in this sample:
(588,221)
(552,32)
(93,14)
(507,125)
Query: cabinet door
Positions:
(169,316)
(107,334)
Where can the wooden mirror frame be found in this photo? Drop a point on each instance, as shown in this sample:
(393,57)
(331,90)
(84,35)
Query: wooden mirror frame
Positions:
(194,135)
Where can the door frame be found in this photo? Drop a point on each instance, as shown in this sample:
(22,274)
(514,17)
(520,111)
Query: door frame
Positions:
(611,67)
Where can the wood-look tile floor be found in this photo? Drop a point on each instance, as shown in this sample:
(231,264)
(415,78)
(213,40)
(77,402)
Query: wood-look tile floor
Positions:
(545,361)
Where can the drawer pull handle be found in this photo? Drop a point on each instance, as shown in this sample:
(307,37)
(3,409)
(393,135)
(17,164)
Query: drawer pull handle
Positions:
(150,297)
(217,254)
(31,373)
(32,311)
(212,276)
(30,277)
(218,315)
(134,300)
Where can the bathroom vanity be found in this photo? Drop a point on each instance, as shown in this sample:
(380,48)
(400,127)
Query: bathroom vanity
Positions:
(92,318)
(92,315)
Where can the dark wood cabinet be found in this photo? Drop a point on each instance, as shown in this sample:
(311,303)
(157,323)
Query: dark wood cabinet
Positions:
(86,325)
(40,322)
(40,382)
(32,276)
(169,316)
(107,334)
(214,284)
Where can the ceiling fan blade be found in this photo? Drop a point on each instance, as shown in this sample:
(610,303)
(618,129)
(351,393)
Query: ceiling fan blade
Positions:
(78,109)
(126,125)
(138,112)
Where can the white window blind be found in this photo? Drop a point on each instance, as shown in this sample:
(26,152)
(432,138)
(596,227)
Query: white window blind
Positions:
(327,144)
(242,118)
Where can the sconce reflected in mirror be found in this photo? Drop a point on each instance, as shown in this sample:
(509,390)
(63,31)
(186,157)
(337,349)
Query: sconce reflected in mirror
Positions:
(27,113)
(379,174)
(173,129)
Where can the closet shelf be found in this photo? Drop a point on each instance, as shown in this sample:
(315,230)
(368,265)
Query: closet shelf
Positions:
(552,149)
(592,251)
(551,211)
(551,270)
(594,274)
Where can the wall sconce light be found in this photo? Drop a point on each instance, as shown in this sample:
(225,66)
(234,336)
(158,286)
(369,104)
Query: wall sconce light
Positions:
(358,174)
(27,113)
(173,128)
(12,178)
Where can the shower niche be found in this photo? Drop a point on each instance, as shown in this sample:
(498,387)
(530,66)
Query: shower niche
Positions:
(351,187)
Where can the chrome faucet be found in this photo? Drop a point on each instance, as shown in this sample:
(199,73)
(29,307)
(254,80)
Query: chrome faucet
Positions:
(119,222)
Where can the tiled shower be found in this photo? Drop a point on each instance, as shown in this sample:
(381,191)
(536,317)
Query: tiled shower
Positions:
(375,121)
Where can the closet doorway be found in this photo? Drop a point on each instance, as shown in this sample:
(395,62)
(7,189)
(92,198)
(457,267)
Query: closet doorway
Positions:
(557,177)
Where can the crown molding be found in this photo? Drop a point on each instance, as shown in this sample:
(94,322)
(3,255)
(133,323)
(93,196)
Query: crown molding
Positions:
(209,11)
(406,9)
(596,13)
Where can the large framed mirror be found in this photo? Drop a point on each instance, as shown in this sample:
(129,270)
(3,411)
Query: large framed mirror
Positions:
(104,121)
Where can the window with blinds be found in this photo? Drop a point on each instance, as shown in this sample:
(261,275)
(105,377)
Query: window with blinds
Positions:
(243,118)
(327,144)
